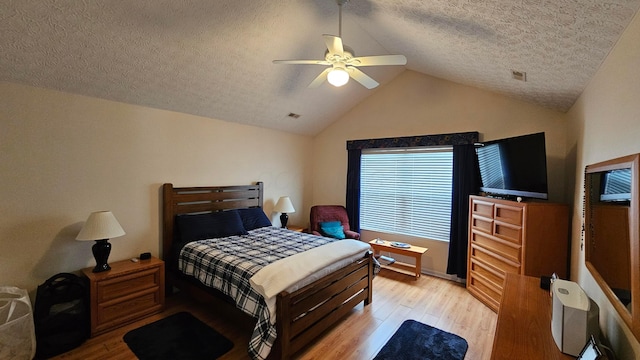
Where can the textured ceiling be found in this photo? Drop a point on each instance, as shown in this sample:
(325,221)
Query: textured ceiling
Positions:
(213,57)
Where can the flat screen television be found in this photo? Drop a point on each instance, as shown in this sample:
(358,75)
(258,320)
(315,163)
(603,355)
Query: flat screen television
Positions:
(514,167)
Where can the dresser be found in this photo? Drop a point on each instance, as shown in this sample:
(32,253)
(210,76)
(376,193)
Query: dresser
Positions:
(527,238)
(127,292)
(523,330)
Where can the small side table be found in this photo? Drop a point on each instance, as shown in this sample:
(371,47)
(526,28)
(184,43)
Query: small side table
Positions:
(295,228)
(127,292)
(415,252)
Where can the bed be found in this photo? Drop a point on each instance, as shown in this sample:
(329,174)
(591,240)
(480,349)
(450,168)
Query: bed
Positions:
(302,311)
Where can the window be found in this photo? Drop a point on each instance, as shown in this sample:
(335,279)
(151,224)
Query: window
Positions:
(407,191)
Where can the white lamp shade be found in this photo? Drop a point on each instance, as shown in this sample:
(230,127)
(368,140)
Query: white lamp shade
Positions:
(284,205)
(338,77)
(100,225)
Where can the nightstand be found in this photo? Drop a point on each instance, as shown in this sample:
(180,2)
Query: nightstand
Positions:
(295,228)
(127,292)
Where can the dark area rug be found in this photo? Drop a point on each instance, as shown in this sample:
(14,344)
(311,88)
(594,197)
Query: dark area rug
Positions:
(415,340)
(179,336)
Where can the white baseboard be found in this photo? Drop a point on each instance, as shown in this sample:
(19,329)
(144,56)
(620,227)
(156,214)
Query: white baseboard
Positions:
(442,275)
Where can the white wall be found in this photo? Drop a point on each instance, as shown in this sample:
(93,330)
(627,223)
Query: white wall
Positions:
(63,156)
(605,124)
(416,104)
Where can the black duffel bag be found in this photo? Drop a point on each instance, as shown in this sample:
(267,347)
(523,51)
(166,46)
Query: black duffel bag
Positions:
(61,314)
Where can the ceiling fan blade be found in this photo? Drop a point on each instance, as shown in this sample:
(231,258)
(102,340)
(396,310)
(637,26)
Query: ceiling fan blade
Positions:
(362,78)
(302,62)
(334,44)
(379,60)
(319,80)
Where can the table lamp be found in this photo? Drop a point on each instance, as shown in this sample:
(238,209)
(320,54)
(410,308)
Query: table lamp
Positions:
(100,226)
(284,206)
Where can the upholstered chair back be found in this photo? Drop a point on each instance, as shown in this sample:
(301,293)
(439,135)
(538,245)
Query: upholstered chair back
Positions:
(327,213)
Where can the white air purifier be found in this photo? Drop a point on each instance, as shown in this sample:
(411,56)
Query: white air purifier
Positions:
(574,317)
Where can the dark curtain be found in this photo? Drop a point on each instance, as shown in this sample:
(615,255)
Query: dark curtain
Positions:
(466,180)
(353,188)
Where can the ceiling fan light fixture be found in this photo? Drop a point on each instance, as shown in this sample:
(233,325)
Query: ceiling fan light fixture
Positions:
(342,61)
(338,77)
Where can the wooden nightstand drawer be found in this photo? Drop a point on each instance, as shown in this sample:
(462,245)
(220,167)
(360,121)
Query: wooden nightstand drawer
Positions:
(127,292)
(113,313)
(128,284)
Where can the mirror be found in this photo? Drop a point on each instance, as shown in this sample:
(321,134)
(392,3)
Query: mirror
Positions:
(612,244)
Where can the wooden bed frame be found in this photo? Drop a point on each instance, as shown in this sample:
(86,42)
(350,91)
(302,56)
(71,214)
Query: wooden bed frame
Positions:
(302,315)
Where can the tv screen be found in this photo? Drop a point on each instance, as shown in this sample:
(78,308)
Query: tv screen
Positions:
(514,167)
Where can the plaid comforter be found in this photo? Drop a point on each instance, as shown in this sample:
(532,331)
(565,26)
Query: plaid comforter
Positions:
(227,264)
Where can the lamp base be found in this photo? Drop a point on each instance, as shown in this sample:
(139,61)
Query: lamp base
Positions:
(284,218)
(101,250)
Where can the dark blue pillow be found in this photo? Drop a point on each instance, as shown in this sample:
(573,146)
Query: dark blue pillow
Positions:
(332,229)
(209,226)
(253,218)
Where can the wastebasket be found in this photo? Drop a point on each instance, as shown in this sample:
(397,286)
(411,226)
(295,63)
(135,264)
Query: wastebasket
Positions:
(17,331)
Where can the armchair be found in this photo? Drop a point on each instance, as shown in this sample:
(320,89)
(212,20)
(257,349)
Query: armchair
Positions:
(325,213)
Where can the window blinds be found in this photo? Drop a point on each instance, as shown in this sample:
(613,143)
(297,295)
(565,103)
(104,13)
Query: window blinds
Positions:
(407,192)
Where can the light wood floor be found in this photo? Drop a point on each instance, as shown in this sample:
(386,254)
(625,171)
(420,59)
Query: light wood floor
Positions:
(359,336)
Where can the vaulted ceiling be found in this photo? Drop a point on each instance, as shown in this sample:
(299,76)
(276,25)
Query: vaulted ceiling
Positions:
(213,58)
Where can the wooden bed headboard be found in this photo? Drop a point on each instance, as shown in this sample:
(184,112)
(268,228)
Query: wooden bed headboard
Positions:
(188,200)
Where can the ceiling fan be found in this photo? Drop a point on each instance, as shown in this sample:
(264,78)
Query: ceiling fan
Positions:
(342,61)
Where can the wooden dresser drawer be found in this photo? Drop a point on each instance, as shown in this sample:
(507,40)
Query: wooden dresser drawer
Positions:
(501,248)
(508,232)
(482,208)
(508,214)
(499,264)
(482,224)
(496,277)
(484,291)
